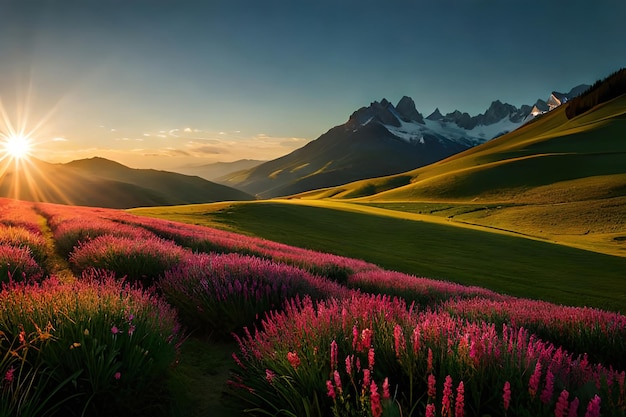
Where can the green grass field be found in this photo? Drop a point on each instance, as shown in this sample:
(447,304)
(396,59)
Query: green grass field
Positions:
(407,242)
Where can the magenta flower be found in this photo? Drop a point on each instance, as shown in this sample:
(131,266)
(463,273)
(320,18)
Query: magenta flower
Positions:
(398,338)
(593,408)
(8,377)
(370,358)
(386,394)
(117,375)
(533,384)
(115,330)
(429,363)
(293,359)
(459,408)
(270,375)
(349,360)
(366,339)
(333,355)
(562,405)
(432,386)
(337,378)
(573,408)
(131,329)
(377,409)
(446,401)
(506,396)
(366,379)
(331,390)
(546,394)
(430,410)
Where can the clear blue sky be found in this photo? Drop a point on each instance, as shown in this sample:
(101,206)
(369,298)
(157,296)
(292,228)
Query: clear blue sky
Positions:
(256,79)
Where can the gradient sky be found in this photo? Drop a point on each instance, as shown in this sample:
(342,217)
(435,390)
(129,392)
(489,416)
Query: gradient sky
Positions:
(163,84)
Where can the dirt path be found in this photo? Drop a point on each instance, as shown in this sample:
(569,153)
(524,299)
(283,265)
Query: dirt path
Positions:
(55,265)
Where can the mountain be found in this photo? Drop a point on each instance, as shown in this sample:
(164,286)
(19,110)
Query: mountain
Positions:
(103,183)
(559,157)
(216,170)
(383,139)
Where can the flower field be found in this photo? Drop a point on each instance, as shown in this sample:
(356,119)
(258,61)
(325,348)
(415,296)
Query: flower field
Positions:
(316,334)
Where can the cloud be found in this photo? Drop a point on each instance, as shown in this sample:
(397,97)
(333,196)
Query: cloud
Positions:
(211,150)
(187,130)
(59,140)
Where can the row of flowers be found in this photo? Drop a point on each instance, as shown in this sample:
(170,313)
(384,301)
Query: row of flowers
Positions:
(92,347)
(331,348)
(22,246)
(366,354)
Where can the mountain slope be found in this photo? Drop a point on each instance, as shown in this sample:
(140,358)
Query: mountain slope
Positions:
(379,140)
(216,170)
(550,152)
(103,183)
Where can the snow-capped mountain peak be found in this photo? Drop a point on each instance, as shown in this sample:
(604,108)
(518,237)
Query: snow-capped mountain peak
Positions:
(404,122)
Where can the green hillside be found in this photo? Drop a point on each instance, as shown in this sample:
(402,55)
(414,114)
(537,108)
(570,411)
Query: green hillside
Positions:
(558,179)
(550,150)
(425,246)
(98,182)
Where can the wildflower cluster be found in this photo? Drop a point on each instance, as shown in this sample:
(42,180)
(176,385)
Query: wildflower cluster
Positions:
(220,294)
(101,336)
(416,351)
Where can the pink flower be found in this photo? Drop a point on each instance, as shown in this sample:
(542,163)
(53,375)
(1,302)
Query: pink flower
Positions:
(533,384)
(8,377)
(115,330)
(366,379)
(333,355)
(293,359)
(331,390)
(430,410)
(562,405)
(398,339)
(416,339)
(506,396)
(377,409)
(593,408)
(349,360)
(460,401)
(337,378)
(370,358)
(117,375)
(573,408)
(546,394)
(386,395)
(355,337)
(432,386)
(366,339)
(429,363)
(131,329)
(269,375)
(446,401)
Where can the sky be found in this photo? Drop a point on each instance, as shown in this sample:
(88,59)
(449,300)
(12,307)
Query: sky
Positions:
(172,83)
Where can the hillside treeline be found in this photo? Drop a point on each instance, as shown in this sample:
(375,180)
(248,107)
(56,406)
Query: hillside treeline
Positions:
(601,91)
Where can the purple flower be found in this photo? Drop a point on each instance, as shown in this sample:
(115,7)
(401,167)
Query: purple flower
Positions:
(8,377)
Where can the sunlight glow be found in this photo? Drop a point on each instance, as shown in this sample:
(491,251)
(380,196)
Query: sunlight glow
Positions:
(17,146)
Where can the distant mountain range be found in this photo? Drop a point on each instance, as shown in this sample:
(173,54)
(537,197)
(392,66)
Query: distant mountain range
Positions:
(217,170)
(575,153)
(100,182)
(383,139)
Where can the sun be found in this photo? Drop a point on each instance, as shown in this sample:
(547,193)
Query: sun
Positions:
(17,146)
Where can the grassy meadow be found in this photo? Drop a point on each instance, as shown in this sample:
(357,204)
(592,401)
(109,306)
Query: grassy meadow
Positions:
(108,313)
(423,245)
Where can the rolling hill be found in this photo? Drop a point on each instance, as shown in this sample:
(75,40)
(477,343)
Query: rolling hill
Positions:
(561,177)
(100,182)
